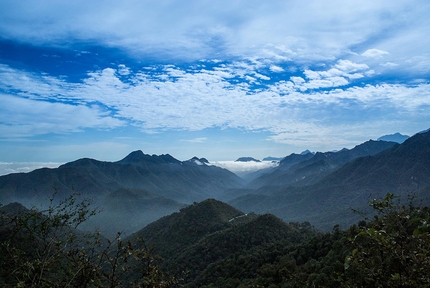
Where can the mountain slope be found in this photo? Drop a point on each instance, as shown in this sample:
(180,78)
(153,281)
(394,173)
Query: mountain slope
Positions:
(261,231)
(161,175)
(305,169)
(402,169)
(172,233)
(211,231)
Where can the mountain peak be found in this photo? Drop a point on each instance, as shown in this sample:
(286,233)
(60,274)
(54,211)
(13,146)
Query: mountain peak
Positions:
(186,227)
(198,161)
(396,137)
(247,159)
(270,158)
(138,156)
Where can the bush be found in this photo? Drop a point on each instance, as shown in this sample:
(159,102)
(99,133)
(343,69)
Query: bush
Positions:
(45,249)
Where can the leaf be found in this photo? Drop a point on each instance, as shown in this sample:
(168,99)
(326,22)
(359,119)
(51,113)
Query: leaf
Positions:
(415,220)
(354,251)
(417,232)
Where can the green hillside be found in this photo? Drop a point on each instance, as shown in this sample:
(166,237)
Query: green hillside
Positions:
(171,234)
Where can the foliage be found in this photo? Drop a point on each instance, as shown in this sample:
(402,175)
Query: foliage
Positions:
(390,250)
(45,249)
(394,249)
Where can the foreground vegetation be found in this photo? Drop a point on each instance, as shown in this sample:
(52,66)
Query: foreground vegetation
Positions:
(44,249)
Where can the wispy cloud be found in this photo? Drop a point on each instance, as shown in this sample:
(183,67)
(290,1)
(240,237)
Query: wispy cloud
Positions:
(195,140)
(24,167)
(21,117)
(199,29)
(374,53)
(171,97)
(305,72)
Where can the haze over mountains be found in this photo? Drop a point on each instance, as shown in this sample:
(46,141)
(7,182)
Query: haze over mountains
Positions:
(316,187)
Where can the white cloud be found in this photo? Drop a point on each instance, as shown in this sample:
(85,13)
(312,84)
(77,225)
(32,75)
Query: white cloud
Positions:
(339,75)
(282,31)
(20,117)
(298,80)
(24,167)
(195,140)
(317,46)
(389,64)
(348,66)
(276,69)
(123,70)
(242,167)
(187,99)
(374,53)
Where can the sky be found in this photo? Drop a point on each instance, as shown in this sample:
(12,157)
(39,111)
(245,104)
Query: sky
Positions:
(214,79)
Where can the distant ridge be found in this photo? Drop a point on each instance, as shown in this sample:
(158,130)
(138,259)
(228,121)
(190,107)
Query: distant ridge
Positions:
(159,185)
(138,157)
(247,159)
(270,158)
(402,169)
(396,137)
(161,175)
(303,169)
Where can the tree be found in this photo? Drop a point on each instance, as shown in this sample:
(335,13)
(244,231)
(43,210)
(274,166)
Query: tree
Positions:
(394,249)
(45,249)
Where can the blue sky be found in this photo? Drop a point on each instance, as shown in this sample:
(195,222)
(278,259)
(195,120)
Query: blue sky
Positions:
(215,79)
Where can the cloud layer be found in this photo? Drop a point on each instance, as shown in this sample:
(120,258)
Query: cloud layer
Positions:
(307,73)
(195,29)
(170,97)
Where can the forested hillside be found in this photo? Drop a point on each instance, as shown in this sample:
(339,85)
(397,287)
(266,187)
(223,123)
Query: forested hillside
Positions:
(44,249)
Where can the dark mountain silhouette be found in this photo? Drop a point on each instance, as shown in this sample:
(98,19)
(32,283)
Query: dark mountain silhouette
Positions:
(270,158)
(160,175)
(401,169)
(307,168)
(140,185)
(319,188)
(13,209)
(138,158)
(246,159)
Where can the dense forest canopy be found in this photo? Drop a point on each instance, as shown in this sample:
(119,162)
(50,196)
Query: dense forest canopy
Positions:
(45,249)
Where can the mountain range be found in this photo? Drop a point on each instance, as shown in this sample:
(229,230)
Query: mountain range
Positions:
(317,187)
(402,169)
(130,193)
